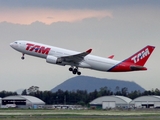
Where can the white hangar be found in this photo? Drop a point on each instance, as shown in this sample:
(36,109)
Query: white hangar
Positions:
(106,102)
(146,102)
(22,101)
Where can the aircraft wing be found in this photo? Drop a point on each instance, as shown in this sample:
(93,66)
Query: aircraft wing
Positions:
(75,58)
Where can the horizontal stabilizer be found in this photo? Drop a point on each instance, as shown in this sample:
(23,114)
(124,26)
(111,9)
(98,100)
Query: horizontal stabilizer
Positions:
(111,57)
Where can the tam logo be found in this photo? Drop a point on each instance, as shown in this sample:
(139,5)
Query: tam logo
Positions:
(37,48)
(140,55)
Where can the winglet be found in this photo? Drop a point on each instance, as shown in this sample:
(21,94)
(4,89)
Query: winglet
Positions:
(89,51)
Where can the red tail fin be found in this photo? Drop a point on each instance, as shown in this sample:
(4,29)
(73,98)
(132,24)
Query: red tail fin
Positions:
(141,56)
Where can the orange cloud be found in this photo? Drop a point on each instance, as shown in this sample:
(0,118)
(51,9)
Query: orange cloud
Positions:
(48,16)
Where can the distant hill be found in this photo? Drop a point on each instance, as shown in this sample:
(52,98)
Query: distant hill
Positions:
(92,83)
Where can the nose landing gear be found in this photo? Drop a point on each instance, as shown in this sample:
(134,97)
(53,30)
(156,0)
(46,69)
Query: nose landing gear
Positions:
(23,57)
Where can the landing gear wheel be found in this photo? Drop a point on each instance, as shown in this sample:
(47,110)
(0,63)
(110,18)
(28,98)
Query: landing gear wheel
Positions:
(22,58)
(78,73)
(70,69)
(74,71)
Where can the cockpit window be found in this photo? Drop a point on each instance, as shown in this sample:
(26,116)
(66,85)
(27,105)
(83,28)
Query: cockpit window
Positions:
(15,42)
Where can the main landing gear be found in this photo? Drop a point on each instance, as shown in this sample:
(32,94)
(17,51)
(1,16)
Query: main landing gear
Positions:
(75,70)
(23,57)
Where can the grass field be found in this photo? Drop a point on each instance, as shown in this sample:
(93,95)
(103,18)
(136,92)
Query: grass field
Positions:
(78,115)
(79,119)
(9,118)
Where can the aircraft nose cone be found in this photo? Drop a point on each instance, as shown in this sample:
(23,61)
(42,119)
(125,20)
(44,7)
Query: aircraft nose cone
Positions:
(11,44)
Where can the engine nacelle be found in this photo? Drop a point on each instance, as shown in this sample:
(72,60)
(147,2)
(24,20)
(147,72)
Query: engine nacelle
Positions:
(53,60)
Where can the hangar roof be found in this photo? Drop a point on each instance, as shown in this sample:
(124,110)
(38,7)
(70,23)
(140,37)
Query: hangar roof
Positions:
(152,98)
(32,99)
(117,99)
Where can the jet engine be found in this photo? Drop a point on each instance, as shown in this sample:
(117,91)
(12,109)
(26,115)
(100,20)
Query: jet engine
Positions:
(53,60)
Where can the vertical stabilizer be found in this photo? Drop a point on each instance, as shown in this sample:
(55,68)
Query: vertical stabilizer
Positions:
(141,56)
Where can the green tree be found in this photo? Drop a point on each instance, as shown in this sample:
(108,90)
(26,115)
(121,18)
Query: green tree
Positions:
(24,92)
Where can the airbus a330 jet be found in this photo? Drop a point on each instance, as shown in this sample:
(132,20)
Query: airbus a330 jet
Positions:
(76,60)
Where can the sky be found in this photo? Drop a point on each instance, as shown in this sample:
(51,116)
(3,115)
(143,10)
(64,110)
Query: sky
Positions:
(118,27)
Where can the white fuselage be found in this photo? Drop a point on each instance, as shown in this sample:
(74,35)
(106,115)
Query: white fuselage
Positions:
(89,61)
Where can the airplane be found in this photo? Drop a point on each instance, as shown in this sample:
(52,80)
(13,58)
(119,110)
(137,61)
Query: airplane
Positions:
(76,60)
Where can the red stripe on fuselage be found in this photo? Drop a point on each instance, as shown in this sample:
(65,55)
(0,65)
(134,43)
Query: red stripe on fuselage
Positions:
(126,67)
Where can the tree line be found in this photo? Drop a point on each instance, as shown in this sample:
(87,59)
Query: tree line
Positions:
(81,97)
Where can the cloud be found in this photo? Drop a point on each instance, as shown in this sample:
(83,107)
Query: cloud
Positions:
(49,17)
(26,12)
(31,15)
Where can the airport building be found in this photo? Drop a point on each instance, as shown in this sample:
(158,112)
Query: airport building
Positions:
(107,102)
(0,101)
(22,101)
(146,102)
